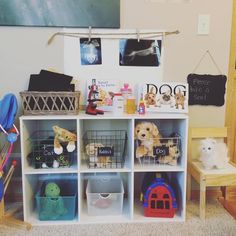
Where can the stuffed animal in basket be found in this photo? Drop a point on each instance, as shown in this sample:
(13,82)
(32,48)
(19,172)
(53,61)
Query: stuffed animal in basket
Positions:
(148,136)
(213,153)
(52,204)
(173,154)
(63,135)
(92,152)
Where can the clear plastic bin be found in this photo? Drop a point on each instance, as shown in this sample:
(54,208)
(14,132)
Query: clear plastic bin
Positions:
(105,196)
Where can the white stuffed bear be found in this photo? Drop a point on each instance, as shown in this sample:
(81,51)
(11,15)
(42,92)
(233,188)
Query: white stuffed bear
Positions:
(213,153)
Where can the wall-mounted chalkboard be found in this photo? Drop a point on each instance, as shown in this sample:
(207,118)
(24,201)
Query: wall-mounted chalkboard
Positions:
(206,89)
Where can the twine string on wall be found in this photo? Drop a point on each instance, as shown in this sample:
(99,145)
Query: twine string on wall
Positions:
(119,35)
(212,59)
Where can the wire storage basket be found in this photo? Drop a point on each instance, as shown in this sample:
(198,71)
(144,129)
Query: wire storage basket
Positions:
(50,103)
(105,148)
(42,153)
(161,151)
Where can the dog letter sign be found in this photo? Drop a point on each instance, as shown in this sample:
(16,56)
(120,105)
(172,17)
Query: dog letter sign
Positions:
(165,97)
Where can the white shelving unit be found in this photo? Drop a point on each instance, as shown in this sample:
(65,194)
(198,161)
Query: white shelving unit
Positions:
(131,174)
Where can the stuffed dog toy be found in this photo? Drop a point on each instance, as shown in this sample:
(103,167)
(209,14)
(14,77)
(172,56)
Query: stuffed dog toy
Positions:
(148,135)
(172,157)
(92,152)
(63,135)
(179,100)
(150,98)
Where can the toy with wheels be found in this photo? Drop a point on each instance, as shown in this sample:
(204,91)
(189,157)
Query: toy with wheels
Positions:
(8,110)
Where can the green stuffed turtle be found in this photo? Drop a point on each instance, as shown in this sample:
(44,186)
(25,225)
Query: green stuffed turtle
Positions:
(52,204)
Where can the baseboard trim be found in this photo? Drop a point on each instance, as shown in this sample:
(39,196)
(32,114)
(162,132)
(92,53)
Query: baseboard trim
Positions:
(229,205)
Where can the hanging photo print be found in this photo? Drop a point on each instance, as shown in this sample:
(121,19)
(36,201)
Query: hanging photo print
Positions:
(60,13)
(90,51)
(140,53)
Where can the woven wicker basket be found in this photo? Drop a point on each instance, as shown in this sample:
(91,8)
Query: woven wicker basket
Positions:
(50,103)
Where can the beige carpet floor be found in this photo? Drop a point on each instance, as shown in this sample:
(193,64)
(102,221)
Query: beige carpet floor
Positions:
(218,223)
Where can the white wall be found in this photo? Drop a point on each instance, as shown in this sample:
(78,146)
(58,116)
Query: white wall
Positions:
(183,51)
(24,51)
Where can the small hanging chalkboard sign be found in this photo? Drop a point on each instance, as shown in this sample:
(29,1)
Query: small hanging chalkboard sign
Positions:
(206,89)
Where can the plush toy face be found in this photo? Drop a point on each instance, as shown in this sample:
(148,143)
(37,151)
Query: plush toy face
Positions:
(174,151)
(146,130)
(52,190)
(64,135)
(92,149)
(207,146)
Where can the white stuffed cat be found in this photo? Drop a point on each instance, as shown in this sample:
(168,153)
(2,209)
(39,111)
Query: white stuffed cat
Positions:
(213,153)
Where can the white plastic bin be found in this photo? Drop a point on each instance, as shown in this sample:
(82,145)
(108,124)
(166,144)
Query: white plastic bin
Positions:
(105,196)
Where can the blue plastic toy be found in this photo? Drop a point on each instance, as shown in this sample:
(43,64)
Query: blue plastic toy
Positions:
(8,110)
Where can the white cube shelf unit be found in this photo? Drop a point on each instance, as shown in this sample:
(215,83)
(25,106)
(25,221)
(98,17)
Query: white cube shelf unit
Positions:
(131,171)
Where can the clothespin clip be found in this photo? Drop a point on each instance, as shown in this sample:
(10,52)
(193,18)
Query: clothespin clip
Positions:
(138,35)
(90,34)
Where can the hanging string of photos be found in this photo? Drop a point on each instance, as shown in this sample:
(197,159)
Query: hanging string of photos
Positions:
(119,34)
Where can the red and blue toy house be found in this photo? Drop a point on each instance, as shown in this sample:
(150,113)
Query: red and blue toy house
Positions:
(159,200)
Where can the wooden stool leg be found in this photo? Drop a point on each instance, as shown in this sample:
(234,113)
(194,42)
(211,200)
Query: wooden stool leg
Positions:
(223,190)
(2,209)
(202,199)
(189,184)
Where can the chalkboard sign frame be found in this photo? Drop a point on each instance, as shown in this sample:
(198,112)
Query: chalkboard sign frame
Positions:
(206,89)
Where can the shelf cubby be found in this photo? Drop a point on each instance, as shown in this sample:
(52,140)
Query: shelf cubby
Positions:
(34,186)
(173,179)
(127,202)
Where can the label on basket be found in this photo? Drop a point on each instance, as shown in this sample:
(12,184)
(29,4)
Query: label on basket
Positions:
(161,151)
(105,151)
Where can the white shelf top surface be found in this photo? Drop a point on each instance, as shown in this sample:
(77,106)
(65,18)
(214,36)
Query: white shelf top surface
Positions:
(107,115)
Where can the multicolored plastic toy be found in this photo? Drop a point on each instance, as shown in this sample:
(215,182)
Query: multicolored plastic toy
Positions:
(8,110)
(159,200)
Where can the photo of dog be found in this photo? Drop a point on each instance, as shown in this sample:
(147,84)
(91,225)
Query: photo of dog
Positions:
(166,98)
(179,100)
(140,52)
(148,136)
(150,98)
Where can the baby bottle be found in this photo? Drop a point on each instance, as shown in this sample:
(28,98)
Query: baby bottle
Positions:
(126,92)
